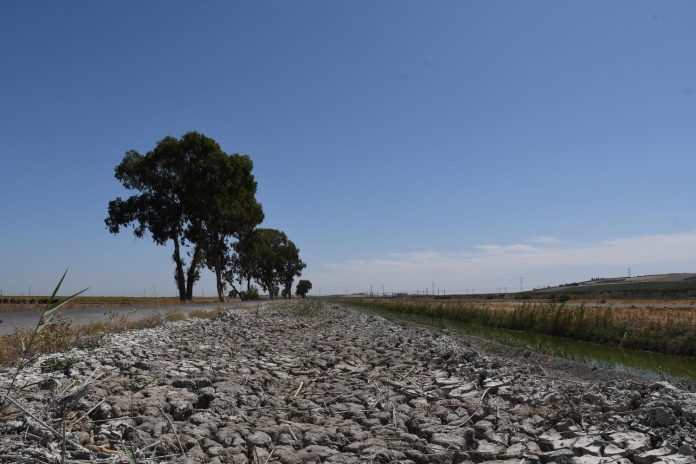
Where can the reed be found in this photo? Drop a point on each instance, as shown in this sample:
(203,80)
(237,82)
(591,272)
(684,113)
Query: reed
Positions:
(670,332)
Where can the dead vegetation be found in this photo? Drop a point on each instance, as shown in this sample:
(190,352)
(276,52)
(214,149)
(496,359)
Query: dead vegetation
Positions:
(64,336)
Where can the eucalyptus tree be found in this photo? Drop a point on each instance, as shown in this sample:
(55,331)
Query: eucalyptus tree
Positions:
(191,193)
(303,287)
(231,212)
(291,266)
(268,257)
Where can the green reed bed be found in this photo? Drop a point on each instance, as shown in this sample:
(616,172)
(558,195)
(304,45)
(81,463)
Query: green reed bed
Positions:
(600,325)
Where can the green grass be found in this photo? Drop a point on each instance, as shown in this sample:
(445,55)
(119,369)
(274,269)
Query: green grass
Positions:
(309,307)
(666,287)
(599,325)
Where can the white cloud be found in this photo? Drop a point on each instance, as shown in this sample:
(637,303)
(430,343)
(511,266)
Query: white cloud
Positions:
(541,261)
(543,239)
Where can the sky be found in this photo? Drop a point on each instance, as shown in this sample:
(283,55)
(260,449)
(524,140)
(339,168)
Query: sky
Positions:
(452,145)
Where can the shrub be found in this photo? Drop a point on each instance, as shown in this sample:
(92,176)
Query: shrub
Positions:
(249,295)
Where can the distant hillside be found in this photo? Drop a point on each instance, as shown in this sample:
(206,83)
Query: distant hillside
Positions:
(681,284)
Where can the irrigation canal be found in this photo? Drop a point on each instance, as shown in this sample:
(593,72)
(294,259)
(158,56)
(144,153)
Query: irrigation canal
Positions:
(644,363)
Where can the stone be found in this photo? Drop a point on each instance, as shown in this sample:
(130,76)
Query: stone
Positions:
(260,439)
(180,410)
(449,440)
(677,459)
(560,456)
(651,456)
(612,450)
(632,441)
(661,417)
(287,455)
(588,445)
(371,390)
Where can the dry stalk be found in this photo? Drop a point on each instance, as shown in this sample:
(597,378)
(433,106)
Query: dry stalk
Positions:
(171,424)
(298,390)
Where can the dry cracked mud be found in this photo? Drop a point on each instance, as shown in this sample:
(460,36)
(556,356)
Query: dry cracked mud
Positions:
(290,382)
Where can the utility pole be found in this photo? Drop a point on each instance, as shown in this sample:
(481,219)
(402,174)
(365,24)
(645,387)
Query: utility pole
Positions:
(382,290)
(521,286)
(629,272)
(433,288)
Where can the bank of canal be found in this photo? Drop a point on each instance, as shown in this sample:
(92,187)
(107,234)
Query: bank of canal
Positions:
(27,320)
(643,363)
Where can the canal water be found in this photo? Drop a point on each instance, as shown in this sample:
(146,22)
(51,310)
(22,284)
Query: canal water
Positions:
(644,363)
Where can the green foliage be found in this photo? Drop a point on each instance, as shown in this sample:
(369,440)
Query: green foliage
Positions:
(303,287)
(249,295)
(50,312)
(232,212)
(59,364)
(268,257)
(686,287)
(191,193)
(310,308)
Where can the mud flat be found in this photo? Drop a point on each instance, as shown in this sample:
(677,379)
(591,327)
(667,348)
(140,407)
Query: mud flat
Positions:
(294,383)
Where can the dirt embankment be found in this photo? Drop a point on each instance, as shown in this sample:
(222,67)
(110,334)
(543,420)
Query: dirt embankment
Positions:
(298,384)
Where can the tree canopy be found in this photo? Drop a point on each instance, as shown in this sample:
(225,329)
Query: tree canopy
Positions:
(191,193)
(268,257)
(303,287)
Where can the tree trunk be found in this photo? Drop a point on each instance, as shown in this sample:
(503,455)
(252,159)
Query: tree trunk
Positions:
(179,271)
(234,290)
(191,273)
(218,279)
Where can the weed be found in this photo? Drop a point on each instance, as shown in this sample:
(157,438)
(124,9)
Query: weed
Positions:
(203,314)
(173,316)
(59,364)
(47,331)
(309,307)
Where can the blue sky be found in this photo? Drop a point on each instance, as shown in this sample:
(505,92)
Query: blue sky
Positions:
(381,132)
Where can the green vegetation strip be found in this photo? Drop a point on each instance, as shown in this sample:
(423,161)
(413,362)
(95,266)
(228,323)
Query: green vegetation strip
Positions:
(657,288)
(579,323)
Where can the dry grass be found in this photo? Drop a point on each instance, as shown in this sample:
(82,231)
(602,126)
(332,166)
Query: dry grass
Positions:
(664,330)
(205,314)
(58,338)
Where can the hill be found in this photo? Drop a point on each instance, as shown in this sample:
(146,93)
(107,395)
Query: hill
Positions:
(676,284)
